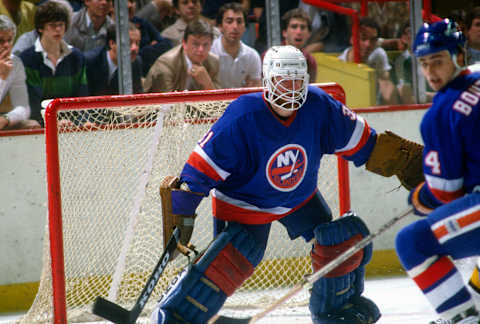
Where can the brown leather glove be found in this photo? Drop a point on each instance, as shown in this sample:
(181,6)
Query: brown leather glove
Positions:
(169,185)
(394,155)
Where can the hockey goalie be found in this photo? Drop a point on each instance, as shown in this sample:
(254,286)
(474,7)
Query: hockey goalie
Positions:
(260,163)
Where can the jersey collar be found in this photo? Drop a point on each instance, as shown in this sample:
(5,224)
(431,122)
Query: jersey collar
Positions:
(285,122)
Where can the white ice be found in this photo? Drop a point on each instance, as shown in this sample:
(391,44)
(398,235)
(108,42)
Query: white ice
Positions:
(399,300)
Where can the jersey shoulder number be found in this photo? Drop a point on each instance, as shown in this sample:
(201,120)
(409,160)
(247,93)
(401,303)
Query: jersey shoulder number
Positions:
(347,112)
(433,162)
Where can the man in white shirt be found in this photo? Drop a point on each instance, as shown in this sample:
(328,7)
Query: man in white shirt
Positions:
(240,65)
(14,106)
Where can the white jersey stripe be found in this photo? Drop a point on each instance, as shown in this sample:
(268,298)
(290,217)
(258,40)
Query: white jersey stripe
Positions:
(444,184)
(419,269)
(244,205)
(451,224)
(222,173)
(356,136)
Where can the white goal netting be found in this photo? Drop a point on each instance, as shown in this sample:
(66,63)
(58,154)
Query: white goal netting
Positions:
(104,204)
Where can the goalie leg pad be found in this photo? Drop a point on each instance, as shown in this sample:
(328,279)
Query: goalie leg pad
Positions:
(200,292)
(330,293)
(334,238)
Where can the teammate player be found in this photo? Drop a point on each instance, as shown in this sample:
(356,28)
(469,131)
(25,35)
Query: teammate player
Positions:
(450,196)
(261,158)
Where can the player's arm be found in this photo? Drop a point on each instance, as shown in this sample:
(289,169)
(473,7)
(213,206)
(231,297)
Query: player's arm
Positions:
(179,204)
(422,201)
(445,161)
(444,181)
(351,136)
(206,168)
(182,195)
(386,154)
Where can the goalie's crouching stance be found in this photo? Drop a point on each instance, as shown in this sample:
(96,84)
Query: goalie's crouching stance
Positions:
(260,163)
(200,291)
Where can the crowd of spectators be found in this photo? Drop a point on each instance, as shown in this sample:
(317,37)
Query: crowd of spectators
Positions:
(67,48)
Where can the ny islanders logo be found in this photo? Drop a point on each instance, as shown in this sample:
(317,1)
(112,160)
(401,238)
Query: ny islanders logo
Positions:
(286,167)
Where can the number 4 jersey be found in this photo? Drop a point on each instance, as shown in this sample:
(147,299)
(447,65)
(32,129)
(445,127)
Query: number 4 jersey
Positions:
(451,133)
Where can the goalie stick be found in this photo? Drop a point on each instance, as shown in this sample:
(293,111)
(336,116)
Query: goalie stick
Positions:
(309,280)
(119,315)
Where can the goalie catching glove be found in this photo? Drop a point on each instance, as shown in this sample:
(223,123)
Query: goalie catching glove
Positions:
(394,155)
(178,209)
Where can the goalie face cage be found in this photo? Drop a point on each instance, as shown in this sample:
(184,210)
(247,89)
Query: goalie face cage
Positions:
(104,233)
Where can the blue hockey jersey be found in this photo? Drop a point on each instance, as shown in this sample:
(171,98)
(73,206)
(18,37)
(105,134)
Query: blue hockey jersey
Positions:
(261,167)
(451,133)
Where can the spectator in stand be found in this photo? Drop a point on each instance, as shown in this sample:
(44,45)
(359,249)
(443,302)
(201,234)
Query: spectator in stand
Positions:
(403,67)
(187,11)
(473,36)
(189,66)
(152,44)
(376,58)
(101,62)
(27,39)
(89,25)
(240,65)
(402,70)
(21,13)
(390,17)
(160,13)
(258,7)
(53,68)
(211,8)
(14,107)
(296,30)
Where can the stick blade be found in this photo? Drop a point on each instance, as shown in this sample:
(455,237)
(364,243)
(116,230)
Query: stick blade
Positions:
(230,320)
(111,311)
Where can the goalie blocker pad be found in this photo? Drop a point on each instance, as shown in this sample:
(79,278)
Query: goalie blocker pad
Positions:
(178,209)
(394,155)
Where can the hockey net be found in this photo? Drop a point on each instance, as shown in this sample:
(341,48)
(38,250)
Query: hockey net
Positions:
(106,157)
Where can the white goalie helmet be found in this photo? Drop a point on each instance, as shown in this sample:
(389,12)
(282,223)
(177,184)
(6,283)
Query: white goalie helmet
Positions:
(285,77)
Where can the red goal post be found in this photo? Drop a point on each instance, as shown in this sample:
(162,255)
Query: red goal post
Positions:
(104,220)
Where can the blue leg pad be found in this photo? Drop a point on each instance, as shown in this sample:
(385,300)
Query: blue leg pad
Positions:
(201,290)
(329,294)
(338,296)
